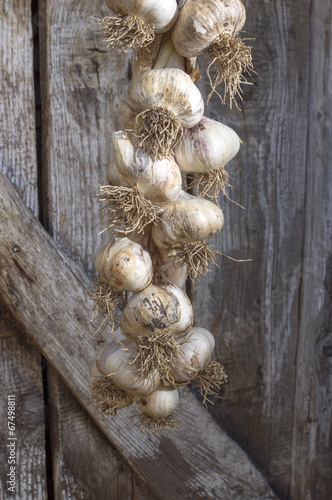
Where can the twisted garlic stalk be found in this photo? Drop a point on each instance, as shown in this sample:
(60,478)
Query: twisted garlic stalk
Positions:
(161,231)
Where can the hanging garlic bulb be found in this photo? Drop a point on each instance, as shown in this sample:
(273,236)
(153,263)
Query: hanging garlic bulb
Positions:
(137,22)
(207,146)
(116,361)
(161,403)
(167,101)
(187,220)
(162,307)
(213,26)
(158,180)
(194,354)
(125,264)
(176,273)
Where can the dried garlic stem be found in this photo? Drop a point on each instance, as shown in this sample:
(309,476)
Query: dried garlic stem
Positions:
(108,396)
(128,207)
(126,32)
(156,424)
(159,133)
(197,256)
(230,58)
(106,301)
(157,351)
(210,379)
(210,183)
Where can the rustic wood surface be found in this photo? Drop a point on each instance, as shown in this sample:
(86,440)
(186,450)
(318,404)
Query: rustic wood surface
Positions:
(271,317)
(198,459)
(20,362)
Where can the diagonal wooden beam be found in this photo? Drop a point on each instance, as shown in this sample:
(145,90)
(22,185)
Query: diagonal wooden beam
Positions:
(45,290)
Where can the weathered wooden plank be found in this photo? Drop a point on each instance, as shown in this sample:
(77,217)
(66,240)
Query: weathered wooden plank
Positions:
(86,465)
(311,451)
(20,362)
(253,308)
(46,290)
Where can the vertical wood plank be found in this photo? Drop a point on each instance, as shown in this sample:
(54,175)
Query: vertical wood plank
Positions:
(253,308)
(20,362)
(312,451)
(83,86)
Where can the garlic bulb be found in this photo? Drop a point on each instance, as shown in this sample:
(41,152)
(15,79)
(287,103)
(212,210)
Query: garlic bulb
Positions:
(162,307)
(174,272)
(161,403)
(115,361)
(124,264)
(195,352)
(187,220)
(206,146)
(200,22)
(162,14)
(158,180)
(101,388)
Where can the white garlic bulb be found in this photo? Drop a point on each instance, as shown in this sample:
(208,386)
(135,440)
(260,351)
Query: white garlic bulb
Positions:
(161,14)
(187,220)
(125,264)
(170,89)
(206,146)
(115,361)
(161,403)
(162,307)
(120,402)
(194,353)
(174,272)
(200,22)
(158,180)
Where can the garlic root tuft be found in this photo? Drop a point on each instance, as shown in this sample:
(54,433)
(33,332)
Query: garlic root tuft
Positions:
(106,299)
(159,133)
(210,379)
(230,58)
(128,207)
(210,183)
(108,396)
(127,32)
(156,424)
(197,256)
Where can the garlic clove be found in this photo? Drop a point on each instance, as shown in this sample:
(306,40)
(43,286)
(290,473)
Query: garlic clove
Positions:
(160,307)
(161,403)
(125,264)
(206,146)
(194,354)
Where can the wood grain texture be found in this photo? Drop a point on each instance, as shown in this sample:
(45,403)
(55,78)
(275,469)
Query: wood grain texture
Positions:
(45,290)
(20,362)
(267,315)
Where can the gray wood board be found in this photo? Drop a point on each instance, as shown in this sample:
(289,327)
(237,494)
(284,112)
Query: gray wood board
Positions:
(268,314)
(45,290)
(21,373)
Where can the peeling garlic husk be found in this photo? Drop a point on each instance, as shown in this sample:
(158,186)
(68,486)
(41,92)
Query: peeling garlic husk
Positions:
(125,264)
(161,403)
(194,353)
(95,374)
(162,307)
(200,22)
(187,220)
(115,361)
(174,272)
(206,146)
(158,180)
(167,88)
(161,14)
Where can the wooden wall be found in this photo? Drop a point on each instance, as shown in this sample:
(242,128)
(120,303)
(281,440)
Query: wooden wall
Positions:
(271,317)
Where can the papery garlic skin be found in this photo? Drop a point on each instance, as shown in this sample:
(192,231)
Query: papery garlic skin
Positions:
(200,22)
(174,272)
(115,361)
(195,352)
(207,146)
(95,374)
(187,220)
(125,264)
(161,14)
(159,181)
(170,89)
(158,308)
(161,403)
